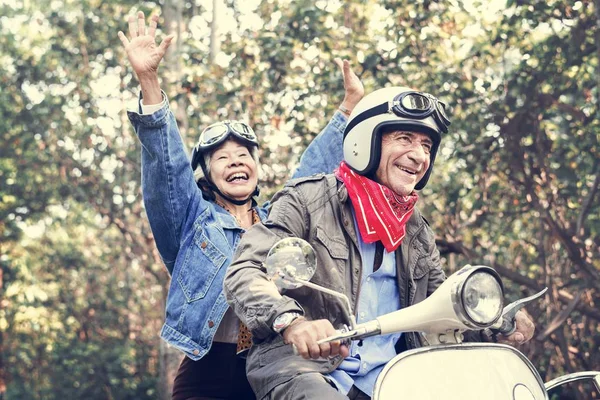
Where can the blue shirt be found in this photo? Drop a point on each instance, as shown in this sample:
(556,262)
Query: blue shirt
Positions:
(379,295)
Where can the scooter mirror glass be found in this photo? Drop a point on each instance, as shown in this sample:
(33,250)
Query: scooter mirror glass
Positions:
(290,262)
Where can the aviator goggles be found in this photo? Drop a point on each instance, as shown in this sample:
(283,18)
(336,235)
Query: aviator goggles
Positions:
(216,133)
(413,105)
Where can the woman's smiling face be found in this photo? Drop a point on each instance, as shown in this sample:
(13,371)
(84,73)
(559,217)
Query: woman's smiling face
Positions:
(233,170)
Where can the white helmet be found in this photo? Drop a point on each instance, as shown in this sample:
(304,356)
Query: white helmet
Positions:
(384,110)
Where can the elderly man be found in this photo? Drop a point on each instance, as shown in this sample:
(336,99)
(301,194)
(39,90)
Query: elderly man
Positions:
(371,242)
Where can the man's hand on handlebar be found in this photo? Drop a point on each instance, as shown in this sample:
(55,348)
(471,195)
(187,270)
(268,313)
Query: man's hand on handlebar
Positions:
(523,333)
(304,334)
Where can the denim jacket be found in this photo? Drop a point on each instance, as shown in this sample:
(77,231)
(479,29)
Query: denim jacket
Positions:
(196,238)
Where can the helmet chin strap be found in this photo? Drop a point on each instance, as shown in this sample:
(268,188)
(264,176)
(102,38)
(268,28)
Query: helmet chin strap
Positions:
(214,188)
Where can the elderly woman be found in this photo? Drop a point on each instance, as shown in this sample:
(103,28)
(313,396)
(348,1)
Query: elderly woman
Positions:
(198,212)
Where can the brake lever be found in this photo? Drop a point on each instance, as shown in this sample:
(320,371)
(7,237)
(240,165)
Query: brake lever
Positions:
(506,324)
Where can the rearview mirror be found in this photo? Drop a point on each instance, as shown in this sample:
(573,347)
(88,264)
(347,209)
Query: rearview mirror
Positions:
(290,263)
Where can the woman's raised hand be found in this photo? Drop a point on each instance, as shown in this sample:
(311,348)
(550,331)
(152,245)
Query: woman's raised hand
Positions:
(143,53)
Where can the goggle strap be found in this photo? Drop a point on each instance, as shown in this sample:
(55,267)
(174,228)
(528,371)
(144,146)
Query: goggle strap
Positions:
(371,112)
(388,107)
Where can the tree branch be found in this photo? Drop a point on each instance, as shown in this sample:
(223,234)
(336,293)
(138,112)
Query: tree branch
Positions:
(574,251)
(587,204)
(564,296)
(560,318)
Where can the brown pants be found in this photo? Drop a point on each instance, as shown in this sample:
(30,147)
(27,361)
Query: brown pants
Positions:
(220,374)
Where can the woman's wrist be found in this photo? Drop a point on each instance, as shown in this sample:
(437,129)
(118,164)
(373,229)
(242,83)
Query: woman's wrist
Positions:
(150,88)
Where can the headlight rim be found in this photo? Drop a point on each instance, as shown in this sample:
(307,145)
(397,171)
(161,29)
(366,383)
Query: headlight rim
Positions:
(457,296)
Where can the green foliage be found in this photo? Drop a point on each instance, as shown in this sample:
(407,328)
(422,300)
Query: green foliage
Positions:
(514,186)
(77,329)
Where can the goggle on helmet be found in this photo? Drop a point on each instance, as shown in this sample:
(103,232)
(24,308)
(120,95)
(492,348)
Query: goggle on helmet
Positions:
(385,110)
(215,134)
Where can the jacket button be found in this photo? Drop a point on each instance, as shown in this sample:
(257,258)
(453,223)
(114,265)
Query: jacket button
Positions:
(196,352)
(211,324)
(203,245)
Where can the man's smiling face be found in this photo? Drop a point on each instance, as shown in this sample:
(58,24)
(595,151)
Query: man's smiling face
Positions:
(405,158)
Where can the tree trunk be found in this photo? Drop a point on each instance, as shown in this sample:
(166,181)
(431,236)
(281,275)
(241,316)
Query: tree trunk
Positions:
(169,357)
(215,39)
(2,368)
(171,65)
(169,360)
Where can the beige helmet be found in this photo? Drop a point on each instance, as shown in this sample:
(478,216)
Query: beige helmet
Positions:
(392,108)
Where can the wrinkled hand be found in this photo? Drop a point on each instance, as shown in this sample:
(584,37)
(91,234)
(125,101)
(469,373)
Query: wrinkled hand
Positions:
(523,333)
(352,84)
(142,51)
(304,335)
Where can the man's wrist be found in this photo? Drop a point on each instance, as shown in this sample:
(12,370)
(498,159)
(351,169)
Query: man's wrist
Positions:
(345,110)
(284,333)
(285,320)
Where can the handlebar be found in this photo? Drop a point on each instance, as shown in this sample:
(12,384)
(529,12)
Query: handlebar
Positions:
(507,324)
(360,331)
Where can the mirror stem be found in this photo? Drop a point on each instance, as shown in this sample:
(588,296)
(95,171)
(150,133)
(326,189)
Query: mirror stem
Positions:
(350,315)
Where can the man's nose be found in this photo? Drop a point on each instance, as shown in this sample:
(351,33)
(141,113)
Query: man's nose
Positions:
(418,154)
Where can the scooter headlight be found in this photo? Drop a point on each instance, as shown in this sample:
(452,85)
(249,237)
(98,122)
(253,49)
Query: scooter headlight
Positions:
(482,298)
(478,296)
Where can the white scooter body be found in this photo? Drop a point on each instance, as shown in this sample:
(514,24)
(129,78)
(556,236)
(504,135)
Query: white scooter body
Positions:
(467,371)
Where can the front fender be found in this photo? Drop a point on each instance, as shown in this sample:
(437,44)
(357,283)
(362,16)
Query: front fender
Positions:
(467,371)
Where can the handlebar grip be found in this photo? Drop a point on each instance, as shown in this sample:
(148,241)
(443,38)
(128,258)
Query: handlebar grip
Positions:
(295,350)
(507,327)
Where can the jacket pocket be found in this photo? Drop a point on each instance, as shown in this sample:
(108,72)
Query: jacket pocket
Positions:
(331,271)
(202,264)
(421,279)
(337,248)
(274,352)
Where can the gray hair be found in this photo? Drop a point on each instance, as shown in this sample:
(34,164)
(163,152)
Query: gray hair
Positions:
(199,172)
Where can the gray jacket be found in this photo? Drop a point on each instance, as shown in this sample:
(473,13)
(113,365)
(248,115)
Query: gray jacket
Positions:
(318,210)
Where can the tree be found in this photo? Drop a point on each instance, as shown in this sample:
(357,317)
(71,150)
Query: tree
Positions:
(515,183)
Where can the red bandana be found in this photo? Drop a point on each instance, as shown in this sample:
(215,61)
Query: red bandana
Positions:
(380,213)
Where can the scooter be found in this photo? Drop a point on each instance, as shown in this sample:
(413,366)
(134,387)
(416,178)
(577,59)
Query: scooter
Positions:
(445,367)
